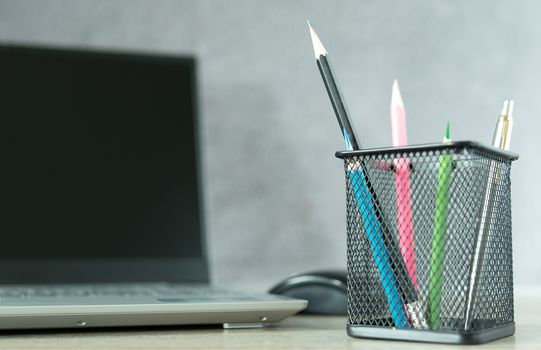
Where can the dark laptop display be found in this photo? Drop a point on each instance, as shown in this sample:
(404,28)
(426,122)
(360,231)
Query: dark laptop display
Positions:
(98,175)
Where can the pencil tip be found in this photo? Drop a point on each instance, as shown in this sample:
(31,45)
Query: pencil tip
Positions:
(319,49)
(396,96)
(447,137)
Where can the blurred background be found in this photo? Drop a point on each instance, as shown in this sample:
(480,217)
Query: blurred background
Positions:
(274,192)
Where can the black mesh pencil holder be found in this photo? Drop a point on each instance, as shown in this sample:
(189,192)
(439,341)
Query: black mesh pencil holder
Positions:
(429,251)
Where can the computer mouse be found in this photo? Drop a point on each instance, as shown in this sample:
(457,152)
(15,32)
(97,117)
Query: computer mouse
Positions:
(324,290)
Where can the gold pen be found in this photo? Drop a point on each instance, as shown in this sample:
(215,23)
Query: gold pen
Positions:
(502,140)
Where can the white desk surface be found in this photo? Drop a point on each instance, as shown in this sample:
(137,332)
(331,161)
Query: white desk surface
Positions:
(299,332)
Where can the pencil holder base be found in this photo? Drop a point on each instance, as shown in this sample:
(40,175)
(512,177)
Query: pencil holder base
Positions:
(430,336)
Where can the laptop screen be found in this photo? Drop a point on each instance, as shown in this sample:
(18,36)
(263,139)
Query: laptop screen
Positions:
(99,171)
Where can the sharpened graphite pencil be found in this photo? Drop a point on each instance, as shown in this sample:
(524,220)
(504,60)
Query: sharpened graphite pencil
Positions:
(396,284)
(334,93)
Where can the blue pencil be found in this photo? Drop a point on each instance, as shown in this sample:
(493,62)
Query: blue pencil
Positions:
(379,251)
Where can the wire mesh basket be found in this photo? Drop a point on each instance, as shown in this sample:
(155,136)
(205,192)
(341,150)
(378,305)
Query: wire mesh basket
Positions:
(429,252)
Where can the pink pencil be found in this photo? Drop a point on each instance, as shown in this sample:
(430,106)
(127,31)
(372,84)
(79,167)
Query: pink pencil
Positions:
(402,184)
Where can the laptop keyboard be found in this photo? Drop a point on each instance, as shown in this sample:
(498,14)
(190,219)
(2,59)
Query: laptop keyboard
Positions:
(164,293)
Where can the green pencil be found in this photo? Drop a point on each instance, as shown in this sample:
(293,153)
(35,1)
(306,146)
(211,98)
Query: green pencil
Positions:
(439,236)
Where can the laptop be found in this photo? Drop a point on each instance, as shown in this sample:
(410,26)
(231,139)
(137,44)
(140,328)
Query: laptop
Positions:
(101,212)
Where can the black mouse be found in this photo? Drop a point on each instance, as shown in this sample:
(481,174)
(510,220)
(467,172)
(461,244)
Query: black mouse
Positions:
(324,290)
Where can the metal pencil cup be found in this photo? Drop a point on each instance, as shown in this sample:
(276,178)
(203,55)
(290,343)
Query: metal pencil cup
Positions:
(429,251)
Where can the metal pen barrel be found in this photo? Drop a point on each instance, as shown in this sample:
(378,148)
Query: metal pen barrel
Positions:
(482,228)
(502,140)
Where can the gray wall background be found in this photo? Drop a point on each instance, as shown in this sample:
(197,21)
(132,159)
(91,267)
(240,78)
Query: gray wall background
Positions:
(273,189)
